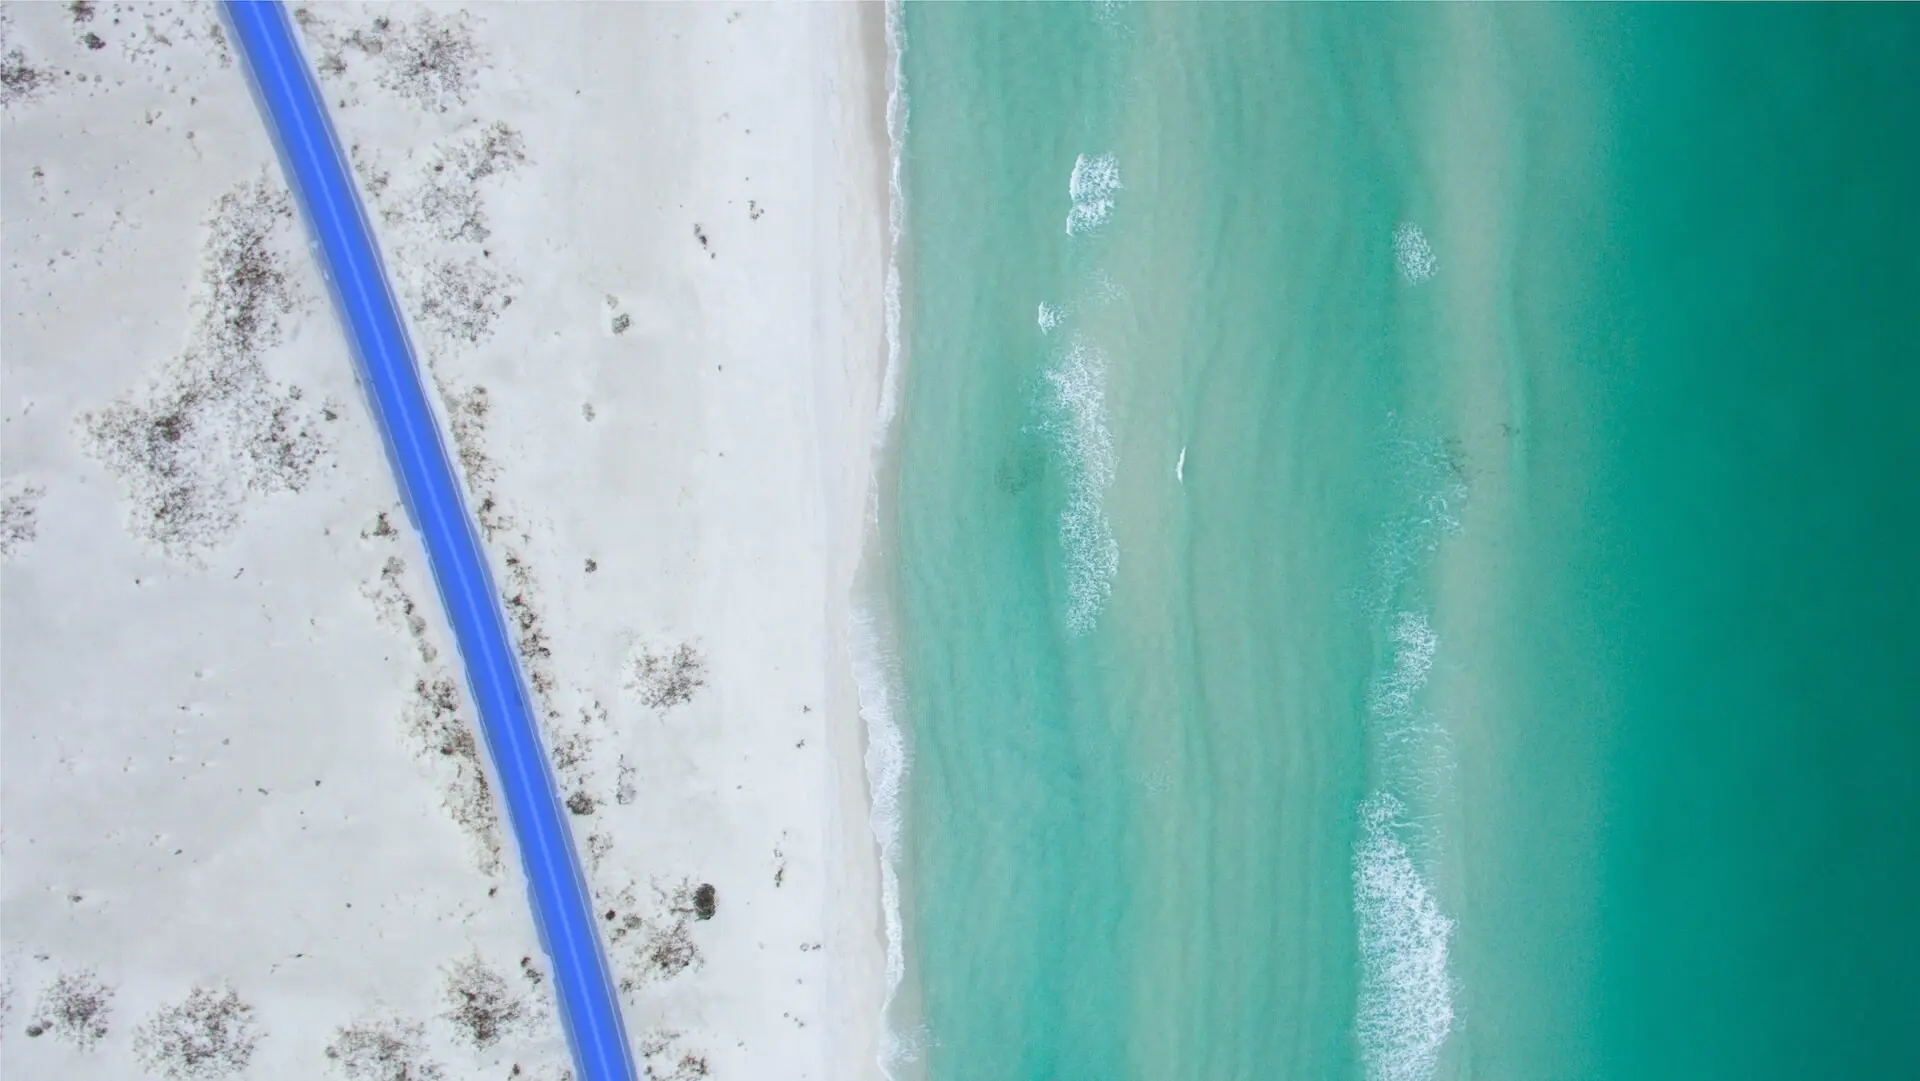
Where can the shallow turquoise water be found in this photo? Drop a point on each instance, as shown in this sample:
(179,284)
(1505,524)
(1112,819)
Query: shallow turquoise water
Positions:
(1402,542)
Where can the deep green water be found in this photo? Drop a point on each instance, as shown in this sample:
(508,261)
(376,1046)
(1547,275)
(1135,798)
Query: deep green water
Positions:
(1320,662)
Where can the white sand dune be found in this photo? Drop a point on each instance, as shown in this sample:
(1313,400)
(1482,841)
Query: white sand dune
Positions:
(642,248)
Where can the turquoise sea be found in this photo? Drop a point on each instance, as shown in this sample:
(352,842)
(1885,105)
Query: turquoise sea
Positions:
(1400,544)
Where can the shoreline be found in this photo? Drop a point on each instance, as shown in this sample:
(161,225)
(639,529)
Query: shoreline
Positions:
(873,612)
(866,989)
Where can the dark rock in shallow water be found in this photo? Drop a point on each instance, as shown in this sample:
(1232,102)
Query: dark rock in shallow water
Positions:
(704,901)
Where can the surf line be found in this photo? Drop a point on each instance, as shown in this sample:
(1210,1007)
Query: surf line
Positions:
(349,259)
(1180,466)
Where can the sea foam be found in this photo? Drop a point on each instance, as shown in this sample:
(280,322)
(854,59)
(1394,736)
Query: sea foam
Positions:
(1094,182)
(1077,386)
(896,226)
(874,666)
(1049,317)
(1406,993)
(1430,476)
(1097,290)
(1412,254)
(1414,749)
(1414,647)
(874,669)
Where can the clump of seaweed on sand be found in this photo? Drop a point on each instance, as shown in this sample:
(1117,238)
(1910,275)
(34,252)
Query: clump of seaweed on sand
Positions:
(20,518)
(570,748)
(74,1007)
(209,1035)
(663,1058)
(438,728)
(145,34)
(383,1049)
(445,202)
(214,429)
(655,946)
(431,60)
(461,299)
(21,79)
(444,734)
(390,597)
(483,1006)
(668,677)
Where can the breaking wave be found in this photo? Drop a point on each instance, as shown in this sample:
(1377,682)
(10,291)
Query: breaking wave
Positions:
(1415,645)
(1405,1012)
(1431,480)
(1093,184)
(1414,750)
(1412,254)
(1406,993)
(1077,389)
(873,662)
(896,222)
(874,669)
(1049,317)
(1098,289)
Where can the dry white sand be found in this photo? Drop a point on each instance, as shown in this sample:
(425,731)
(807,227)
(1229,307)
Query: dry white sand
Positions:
(246,831)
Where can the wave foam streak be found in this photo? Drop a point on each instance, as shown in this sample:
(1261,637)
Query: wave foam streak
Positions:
(1415,645)
(886,763)
(1405,1011)
(1432,483)
(1414,748)
(1413,255)
(874,666)
(1406,995)
(1078,391)
(1093,184)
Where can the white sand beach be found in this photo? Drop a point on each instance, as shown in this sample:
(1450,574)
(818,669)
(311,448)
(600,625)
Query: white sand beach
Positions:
(247,831)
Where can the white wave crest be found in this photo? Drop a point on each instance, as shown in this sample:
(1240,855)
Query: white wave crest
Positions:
(873,665)
(896,225)
(1431,482)
(1415,749)
(1412,254)
(1414,647)
(1078,385)
(1099,289)
(1093,184)
(1406,994)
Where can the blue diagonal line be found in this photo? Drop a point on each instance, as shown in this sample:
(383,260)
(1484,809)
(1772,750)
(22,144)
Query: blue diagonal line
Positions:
(349,258)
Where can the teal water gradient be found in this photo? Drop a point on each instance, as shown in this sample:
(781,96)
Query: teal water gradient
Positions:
(1314,666)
